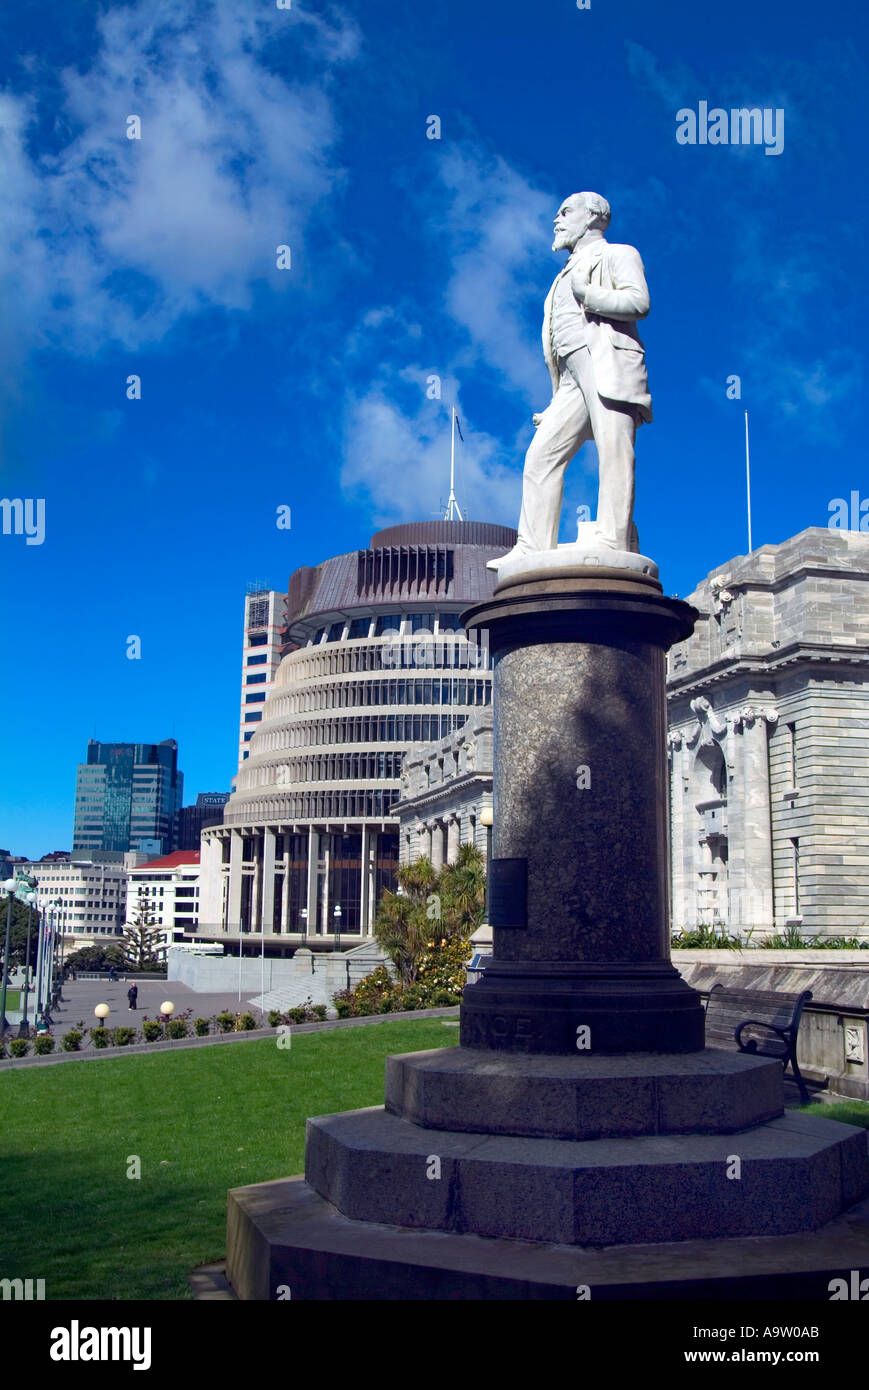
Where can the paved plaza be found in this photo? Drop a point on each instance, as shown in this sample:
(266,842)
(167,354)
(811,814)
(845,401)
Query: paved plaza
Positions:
(80,998)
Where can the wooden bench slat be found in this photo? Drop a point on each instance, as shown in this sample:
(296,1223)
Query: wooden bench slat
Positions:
(737,1018)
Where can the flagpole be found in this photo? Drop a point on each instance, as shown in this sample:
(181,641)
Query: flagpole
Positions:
(748,482)
(453,508)
(452,453)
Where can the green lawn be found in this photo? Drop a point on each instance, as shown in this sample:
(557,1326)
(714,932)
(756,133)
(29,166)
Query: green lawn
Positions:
(13,999)
(848,1112)
(201,1121)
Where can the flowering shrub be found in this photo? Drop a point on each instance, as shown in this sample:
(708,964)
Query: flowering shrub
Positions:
(439,983)
(307,1013)
(43,1044)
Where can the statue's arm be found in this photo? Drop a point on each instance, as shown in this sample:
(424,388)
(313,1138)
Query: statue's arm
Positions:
(628,298)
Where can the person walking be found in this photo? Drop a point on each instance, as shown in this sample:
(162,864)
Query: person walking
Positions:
(133,995)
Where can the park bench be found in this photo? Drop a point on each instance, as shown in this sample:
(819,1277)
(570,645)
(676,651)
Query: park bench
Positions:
(759,1021)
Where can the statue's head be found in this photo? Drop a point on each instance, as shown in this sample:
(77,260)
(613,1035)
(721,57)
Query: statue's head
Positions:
(578,214)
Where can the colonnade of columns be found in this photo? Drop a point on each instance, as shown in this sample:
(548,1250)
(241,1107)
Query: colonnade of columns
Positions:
(439,839)
(314,909)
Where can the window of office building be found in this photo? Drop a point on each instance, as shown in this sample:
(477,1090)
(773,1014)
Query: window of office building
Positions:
(257,660)
(422,622)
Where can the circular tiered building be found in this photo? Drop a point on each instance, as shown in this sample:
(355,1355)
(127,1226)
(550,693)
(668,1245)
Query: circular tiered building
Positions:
(377,664)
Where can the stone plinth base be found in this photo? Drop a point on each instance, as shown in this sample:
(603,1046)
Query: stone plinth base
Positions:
(790,1174)
(459,1088)
(284,1240)
(538,1006)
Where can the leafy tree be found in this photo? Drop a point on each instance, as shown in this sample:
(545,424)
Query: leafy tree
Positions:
(18,933)
(431,909)
(142,941)
(403,926)
(462,890)
(99,957)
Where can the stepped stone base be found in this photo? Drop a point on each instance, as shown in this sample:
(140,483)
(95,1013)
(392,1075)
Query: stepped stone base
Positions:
(796,1173)
(583,1097)
(281,1236)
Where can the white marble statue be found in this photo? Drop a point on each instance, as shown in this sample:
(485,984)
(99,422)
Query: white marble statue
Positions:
(599,391)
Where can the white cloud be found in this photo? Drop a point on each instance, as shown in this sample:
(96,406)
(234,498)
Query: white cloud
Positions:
(116,238)
(495,229)
(498,228)
(398,457)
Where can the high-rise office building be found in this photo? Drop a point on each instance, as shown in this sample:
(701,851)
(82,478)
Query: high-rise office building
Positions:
(264,618)
(376,662)
(190,821)
(127,794)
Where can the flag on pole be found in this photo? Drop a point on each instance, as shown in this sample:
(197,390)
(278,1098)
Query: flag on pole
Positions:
(459,428)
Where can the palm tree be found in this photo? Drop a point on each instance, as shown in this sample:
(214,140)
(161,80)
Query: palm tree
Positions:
(462,888)
(403,926)
(430,907)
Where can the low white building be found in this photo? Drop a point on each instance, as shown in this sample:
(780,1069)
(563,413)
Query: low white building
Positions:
(84,896)
(168,889)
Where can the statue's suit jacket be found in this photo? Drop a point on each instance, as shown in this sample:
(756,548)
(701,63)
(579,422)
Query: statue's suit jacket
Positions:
(616,296)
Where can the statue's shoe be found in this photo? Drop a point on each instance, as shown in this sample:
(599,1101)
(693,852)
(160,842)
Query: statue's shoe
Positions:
(513,554)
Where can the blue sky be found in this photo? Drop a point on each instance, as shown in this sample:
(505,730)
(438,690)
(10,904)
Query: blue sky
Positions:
(307,387)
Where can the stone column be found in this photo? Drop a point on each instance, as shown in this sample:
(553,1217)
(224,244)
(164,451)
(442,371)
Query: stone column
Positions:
(311,901)
(580,874)
(371,875)
(235,844)
(267,901)
(437,844)
(285,888)
(363,880)
(453,838)
(757,887)
(680,868)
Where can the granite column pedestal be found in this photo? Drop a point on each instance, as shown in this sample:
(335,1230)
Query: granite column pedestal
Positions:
(579,877)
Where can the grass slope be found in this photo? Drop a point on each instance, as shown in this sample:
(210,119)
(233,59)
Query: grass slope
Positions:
(201,1121)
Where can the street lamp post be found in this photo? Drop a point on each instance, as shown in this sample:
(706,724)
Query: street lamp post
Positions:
(24,1026)
(58,902)
(336,914)
(39,904)
(9,888)
(487,817)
